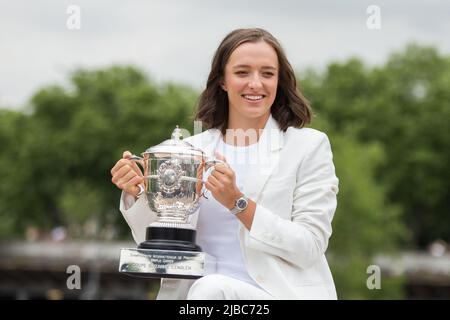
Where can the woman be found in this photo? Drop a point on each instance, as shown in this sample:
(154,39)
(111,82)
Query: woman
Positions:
(269,218)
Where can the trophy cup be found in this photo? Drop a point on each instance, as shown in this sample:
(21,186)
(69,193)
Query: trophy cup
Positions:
(173,185)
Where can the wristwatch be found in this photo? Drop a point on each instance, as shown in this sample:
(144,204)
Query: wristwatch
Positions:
(240,205)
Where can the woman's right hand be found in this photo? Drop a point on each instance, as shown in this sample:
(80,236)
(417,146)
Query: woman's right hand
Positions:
(126,175)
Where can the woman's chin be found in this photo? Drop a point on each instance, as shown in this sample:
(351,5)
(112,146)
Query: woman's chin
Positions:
(254,113)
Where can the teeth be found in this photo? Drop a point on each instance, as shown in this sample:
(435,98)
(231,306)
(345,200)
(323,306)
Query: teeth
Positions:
(253,97)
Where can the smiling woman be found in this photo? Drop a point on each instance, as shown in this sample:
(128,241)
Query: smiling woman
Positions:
(269,218)
(250,65)
(251,81)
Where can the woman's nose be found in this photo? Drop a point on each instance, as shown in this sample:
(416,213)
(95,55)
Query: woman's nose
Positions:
(255,82)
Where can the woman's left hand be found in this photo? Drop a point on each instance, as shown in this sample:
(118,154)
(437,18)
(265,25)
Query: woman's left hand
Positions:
(222,184)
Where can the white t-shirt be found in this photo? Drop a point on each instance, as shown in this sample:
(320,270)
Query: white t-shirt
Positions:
(217,228)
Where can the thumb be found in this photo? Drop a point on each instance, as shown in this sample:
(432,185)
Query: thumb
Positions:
(126,154)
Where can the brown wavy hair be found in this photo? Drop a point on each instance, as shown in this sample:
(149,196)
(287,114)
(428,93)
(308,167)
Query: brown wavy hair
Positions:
(290,107)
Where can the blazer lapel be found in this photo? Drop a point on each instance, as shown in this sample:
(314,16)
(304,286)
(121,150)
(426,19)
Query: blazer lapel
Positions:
(207,141)
(266,164)
(267,157)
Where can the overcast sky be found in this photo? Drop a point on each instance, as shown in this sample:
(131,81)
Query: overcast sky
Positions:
(175,39)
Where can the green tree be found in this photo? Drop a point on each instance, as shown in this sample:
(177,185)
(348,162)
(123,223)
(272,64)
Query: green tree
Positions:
(12,130)
(365,224)
(404,106)
(62,153)
(391,147)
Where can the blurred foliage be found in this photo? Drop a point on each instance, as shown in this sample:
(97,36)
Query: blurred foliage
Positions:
(387,125)
(391,141)
(56,161)
(403,106)
(365,223)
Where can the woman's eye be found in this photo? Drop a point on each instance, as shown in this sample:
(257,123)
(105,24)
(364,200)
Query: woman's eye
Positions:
(264,74)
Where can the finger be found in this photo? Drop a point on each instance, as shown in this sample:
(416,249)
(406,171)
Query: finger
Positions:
(127,181)
(210,187)
(123,162)
(222,178)
(119,164)
(136,168)
(215,182)
(127,163)
(122,172)
(127,154)
(133,185)
(223,168)
(123,181)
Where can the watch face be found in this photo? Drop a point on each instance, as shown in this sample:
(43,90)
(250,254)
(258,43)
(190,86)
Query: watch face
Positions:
(241,203)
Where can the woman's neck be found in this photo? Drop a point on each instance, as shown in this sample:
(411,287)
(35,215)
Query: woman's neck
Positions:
(244,131)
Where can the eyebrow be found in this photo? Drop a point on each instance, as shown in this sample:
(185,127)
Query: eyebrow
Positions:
(248,66)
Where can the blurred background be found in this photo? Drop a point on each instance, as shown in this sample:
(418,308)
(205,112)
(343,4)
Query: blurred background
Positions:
(82,81)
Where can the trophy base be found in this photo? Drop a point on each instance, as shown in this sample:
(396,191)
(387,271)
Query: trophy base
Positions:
(153,263)
(165,238)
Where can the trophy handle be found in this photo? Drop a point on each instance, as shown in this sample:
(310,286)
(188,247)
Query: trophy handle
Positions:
(212,162)
(208,165)
(138,160)
(141,162)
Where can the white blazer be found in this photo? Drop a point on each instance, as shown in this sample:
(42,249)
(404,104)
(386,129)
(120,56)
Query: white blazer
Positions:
(295,187)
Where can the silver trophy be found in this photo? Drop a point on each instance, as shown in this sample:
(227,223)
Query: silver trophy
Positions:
(174,171)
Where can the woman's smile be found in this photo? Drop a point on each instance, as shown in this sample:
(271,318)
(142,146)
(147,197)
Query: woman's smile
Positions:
(253,99)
